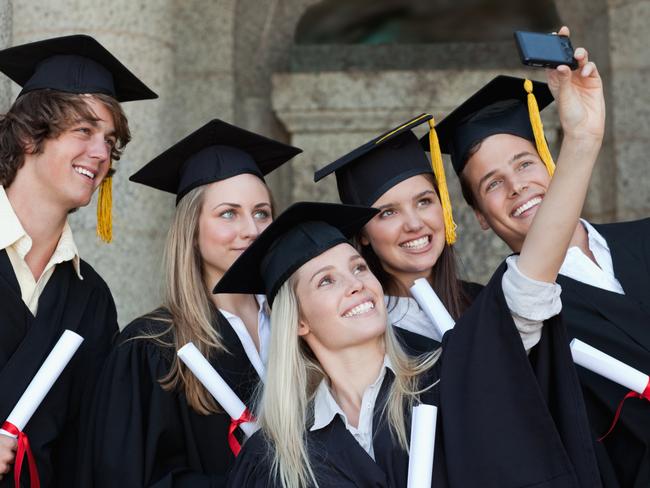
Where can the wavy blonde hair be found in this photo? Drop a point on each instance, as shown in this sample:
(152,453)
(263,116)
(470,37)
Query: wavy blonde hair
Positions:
(293,375)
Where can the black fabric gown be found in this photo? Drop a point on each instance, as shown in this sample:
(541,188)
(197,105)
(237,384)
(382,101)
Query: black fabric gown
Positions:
(83,306)
(504,420)
(620,326)
(143,436)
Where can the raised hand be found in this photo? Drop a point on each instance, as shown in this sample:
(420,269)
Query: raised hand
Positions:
(7,454)
(579,95)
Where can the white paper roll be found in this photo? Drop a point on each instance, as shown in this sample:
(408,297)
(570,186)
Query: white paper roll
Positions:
(432,306)
(423,439)
(605,365)
(215,384)
(44,379)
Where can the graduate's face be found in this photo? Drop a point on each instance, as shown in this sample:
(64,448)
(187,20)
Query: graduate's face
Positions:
(233,213)
(508,180)
(72,165)
(408,234)
(341,302)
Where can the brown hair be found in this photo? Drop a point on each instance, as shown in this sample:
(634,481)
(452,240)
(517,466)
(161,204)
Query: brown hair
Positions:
(46,114)
(444,275)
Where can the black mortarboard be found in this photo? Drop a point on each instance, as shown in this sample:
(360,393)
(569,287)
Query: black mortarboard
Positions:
(365,174)
(74,64)
(302,232)
(506,105)
(214,152)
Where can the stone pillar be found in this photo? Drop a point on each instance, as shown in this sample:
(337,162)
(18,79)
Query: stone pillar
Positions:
(330,113)
(141,34)
(630,111)
(6,30)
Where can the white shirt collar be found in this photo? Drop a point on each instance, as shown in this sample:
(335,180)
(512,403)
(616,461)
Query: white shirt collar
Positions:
(257,359)
(14,234)
(581,268)
(326,408)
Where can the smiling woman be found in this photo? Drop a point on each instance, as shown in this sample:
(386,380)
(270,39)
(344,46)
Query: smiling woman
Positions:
(337,401)
(223,204)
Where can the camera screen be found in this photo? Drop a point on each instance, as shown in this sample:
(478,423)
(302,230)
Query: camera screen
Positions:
(544,46)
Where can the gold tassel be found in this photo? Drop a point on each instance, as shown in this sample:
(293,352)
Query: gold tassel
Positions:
(538,129)
(104,210)
(439,172)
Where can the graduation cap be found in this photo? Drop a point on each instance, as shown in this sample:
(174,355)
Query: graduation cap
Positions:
(506,105)
(302,232)
(73,64)
(214,152)
(369,171)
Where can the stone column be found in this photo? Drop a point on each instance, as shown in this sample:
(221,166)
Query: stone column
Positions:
(330,113)
(141,34)
(5,41)
(630,111)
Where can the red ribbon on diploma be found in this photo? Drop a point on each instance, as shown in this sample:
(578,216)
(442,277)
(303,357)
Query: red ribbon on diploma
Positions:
(235,447)
(632,394)
(23,448)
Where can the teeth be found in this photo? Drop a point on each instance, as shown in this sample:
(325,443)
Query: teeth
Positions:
(416,243)
(359,309)
(529,204)
(85,172)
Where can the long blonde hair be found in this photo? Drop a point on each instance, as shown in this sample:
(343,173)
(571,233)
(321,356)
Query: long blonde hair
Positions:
(293,375)
(188,308)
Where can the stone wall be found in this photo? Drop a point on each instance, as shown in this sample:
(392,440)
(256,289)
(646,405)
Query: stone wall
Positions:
(237,60)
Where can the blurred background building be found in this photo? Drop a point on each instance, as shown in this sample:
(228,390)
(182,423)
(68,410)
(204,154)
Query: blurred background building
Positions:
(327,76)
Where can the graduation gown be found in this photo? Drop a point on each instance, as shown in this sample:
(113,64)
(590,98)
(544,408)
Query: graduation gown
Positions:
(504,420)
(141,435)
(83,306)
(620,326)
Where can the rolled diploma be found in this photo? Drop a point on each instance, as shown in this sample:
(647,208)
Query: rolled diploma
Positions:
(215,384)
(44,379)
(432,306)
(605,365)
(423,439)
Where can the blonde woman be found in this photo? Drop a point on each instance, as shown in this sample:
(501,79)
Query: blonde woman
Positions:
(153,423)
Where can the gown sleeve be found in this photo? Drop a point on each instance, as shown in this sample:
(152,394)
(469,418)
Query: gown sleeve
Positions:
(138,433)
(252,468)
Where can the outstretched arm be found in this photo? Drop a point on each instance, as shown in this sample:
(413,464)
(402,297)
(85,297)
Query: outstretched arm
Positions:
(581,107)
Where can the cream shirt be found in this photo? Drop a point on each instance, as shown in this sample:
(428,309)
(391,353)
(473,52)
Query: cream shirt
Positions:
(17,243)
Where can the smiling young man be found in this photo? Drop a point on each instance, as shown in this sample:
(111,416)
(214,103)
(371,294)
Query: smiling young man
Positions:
(605,276)
(57,144)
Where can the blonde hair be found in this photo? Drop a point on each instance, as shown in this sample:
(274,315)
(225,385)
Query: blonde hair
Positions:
(188,302)
(293,375)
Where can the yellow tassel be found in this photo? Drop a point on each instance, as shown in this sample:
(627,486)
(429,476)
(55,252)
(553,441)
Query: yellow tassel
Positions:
(439,172)
(104,210)
(538,129)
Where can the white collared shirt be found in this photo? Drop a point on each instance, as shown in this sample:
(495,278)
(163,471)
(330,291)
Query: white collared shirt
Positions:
(580,268)
(326,408)
(530,303)
(17,243)
(257,359)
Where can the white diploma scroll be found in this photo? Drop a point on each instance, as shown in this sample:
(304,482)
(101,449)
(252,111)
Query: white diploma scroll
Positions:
(215,384)
(605,365)
(432,306)
(423,439)
(44,379)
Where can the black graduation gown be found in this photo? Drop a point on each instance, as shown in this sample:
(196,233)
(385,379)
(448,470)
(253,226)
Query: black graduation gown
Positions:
(83,306)
(620,326)
(141,435)
(504,420)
